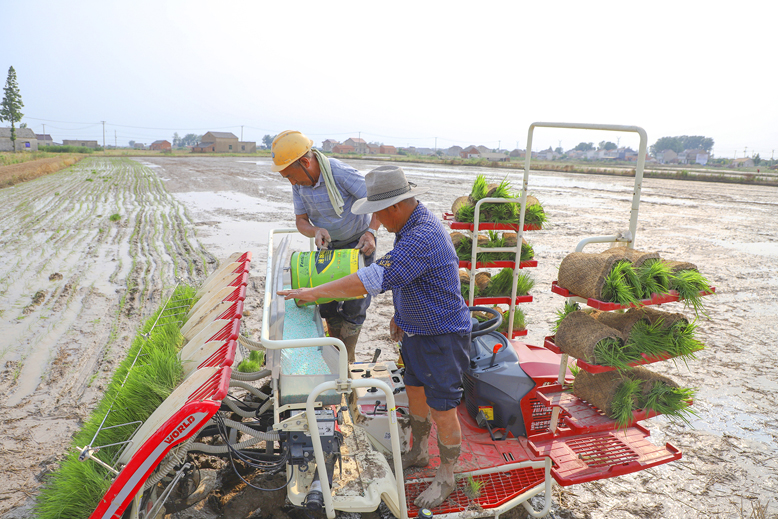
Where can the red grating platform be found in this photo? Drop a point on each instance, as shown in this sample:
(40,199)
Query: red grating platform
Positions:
(656,299)
(580,416)
(497,264)
(498,489)
(580,459)
(550,344)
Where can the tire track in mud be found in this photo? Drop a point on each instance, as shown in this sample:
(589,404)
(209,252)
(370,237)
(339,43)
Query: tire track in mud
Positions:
(74,287)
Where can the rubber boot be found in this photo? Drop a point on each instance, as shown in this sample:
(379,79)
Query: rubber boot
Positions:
(419,455)
(444,483)
(334,325)
(349,334)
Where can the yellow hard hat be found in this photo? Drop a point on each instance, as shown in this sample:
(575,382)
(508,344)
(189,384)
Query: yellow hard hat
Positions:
(287,147)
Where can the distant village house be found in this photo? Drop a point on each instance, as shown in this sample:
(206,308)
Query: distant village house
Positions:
(327,145)
(359,145)
(388,150)
(343,148)
(223,142)
(161,146)
(44,139)
(85,144)
(25,140)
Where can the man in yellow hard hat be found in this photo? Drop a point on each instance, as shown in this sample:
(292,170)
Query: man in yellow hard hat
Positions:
(323,192)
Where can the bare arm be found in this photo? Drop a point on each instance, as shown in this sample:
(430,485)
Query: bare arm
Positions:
(349,286)
(367,241)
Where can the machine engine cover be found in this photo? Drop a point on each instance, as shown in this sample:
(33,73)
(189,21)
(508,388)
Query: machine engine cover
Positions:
(496,382)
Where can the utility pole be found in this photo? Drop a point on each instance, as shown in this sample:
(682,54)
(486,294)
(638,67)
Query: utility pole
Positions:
(115,142)
(744,152)
(436,144)
(44,131)
(103,136)
(241,133)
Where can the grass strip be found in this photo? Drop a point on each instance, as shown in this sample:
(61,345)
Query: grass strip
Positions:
(144,379)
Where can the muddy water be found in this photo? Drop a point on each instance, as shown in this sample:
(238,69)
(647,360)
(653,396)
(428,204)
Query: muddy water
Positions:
(729,231)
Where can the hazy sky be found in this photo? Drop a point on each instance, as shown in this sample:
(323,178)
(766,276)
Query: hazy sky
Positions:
(402,73)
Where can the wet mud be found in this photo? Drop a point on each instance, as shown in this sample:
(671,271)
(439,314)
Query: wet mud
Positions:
(94,280)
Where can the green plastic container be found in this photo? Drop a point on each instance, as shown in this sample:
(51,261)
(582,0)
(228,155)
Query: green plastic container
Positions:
(311,269)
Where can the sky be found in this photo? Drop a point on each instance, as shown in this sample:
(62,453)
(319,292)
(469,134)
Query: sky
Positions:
(424,73)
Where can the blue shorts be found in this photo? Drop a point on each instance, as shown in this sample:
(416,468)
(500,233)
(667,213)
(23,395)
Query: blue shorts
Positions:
(436,362)
(353,310)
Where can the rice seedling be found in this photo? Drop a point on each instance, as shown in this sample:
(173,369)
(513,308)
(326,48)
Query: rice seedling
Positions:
(672,402)
(689,284)
(570,306)
(535,215)
(480,188)
(649,338)
(614,353)
(622,285)
(500,284)
(143,380)
(519,319)
(253,362)
(465,288)
(473,487)
(625,402)
(654,276)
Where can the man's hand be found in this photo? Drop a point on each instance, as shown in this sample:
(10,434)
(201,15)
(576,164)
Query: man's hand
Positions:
(395,332)
(367,243)
(306,295)
(322,238)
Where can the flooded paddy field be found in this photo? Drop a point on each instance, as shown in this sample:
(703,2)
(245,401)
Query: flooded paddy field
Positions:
(75,284)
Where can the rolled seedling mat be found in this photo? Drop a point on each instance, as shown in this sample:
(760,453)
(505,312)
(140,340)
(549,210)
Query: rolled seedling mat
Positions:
(583,274)
(620,321)
(511,239)
(459,202)
(457,237)
(579,333)
(464,276)
(482,280)
(600,389)
(636,257)
(677,266)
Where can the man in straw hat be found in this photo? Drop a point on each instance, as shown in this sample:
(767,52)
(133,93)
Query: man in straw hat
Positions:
(430,318)
(323,192)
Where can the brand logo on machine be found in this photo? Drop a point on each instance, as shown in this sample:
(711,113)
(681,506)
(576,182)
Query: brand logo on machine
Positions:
(183,426)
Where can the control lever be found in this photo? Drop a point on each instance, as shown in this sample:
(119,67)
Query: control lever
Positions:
(494,354)
(376,354)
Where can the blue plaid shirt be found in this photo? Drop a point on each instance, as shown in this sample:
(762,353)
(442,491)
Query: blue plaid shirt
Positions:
(315,202)
(422,271)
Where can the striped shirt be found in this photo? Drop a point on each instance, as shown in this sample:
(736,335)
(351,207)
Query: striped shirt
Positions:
(315,202)
(422,271)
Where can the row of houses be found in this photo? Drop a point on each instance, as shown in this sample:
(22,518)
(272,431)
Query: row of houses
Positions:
(357,145)
(223,142)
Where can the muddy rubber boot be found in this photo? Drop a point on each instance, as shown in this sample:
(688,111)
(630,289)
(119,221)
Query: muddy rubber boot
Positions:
(349,334)
(419,455)
(334,325)
(444,483)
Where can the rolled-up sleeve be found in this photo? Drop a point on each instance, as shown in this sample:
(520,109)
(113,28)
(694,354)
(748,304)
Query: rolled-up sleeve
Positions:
(372,277)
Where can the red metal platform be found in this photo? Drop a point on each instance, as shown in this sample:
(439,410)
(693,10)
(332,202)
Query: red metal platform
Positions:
(497,264)
(656,299)
(595,368)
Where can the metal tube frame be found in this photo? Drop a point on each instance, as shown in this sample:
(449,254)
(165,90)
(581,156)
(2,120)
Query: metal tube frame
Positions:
(343,385)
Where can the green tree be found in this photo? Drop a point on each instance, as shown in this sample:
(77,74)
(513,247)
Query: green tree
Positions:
(694,142)
(176,140)
(190,139)
(559,150)
(584,146)
(757,159)
(667,143)
(267,140)
(132,144)
(10,110)
(607,146)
